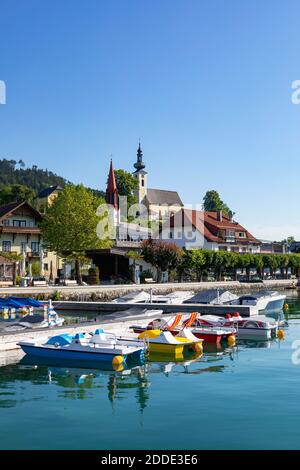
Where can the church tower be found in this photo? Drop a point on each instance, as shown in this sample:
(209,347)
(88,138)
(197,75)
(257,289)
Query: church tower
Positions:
(111,195)
(141,175)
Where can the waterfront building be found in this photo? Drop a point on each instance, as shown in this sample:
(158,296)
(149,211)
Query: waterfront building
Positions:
(273,247)
(209,230)
(20,234)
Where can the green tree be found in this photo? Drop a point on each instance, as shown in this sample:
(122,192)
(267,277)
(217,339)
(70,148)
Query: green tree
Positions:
(127,185)
(36,268)
(193,260)
(16,192)
(213,202)
(272,262)
(69,226)
(163,255)
(259,265)
(295,264)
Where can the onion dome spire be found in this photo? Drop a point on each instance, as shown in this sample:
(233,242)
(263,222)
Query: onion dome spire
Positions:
(139,165)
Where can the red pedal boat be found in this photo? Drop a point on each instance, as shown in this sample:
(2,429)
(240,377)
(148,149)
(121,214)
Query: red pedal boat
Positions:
(174,324)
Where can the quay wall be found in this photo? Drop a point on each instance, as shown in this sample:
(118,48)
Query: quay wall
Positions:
(105,293)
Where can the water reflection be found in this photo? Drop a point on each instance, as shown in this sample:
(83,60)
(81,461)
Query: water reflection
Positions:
(87,381)
(83,381)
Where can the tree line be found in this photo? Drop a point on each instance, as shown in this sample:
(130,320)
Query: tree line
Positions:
(201,263)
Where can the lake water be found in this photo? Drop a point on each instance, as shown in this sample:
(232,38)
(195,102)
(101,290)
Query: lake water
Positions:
(242,398)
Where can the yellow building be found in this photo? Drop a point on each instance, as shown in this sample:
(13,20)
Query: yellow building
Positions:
(20,234)
(46,197)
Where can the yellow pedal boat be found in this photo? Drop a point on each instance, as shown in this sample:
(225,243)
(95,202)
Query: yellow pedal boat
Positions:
(164,342)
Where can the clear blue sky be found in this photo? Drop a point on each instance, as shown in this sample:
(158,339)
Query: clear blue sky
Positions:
(206,85)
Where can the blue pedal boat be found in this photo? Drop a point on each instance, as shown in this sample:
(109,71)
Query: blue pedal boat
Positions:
(100,347)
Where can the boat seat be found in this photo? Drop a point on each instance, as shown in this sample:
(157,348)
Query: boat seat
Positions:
(79,338)
(100,337)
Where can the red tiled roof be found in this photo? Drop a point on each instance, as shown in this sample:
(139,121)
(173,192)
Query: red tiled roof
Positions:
(207,223)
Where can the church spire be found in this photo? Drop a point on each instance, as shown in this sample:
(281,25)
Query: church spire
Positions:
(139,165)
(111,196)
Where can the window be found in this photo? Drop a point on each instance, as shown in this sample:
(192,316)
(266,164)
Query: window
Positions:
(6,222)
(35,247)
(6,246)
(242,235)
(171,235)
(230,233)
(143,182)
(46,266)
(19,223)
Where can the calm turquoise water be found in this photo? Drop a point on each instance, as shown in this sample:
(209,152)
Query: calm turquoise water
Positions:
(248,398)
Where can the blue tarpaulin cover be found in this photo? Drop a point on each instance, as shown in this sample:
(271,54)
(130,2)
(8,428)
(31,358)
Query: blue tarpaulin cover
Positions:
(19,302)
(27,301)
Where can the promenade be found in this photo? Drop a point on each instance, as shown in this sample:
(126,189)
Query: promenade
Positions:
(109,292)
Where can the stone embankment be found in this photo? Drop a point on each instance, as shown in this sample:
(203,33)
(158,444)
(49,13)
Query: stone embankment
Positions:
(105,293)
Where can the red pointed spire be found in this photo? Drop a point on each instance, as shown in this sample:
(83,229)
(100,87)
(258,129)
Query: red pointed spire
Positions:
(111,189)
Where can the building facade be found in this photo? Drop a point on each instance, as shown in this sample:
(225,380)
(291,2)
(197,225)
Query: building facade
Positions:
(46,197)
(20,234)
(192,229)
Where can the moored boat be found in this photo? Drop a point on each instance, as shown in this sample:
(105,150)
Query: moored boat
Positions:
(100,347)
(258,326)
(259,302)
(175,324)
(163,342)
(264,301)
(34,320)
(142,297)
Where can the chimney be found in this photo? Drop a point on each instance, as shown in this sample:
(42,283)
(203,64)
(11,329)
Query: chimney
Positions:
(219,216)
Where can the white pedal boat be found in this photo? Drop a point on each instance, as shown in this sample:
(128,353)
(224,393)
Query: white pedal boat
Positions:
(254,327)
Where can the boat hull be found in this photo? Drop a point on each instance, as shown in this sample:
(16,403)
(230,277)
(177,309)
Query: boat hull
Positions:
(57,353)
(256,333)
(207,336)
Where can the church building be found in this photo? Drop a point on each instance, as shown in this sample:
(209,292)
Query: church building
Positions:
(159,202)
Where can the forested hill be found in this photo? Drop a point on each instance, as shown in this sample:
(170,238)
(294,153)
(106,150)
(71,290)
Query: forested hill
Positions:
(12,172)
(17,182)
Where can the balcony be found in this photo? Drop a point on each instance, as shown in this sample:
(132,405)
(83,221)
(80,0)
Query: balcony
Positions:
(32,254)
(16,230)
(230,239)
